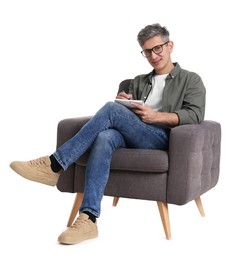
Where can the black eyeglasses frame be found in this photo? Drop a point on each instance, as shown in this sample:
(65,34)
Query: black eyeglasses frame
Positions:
(152,50)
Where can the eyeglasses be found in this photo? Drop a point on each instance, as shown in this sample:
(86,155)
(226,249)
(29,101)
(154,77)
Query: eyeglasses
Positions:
(156,49)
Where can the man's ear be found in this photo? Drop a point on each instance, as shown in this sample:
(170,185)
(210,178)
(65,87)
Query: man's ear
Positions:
(170,46)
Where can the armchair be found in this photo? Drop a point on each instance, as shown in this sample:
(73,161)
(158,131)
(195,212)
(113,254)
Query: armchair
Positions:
(183,173)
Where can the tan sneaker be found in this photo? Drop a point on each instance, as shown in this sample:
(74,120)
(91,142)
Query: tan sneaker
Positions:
(38,170)
(82,229)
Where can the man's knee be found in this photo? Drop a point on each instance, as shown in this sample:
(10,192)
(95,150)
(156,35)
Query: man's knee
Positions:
(106,136)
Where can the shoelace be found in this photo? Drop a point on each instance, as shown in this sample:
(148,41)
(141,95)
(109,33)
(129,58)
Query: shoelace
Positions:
(38,162)
(78,223)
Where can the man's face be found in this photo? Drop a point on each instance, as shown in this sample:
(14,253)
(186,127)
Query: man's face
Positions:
(161,62)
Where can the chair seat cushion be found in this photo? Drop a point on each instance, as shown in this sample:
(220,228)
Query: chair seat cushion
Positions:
(136,160)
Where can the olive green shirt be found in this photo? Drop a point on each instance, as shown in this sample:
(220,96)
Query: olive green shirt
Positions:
(184,94)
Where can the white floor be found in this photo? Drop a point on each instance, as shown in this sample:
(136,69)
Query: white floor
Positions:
(33,215)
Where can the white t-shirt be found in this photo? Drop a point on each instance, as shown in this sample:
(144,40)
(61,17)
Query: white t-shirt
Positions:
(154,99)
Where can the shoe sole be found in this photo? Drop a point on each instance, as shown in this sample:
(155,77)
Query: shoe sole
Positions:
(35,178)
(68,240)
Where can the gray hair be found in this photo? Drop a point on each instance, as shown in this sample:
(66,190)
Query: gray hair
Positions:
(152,30)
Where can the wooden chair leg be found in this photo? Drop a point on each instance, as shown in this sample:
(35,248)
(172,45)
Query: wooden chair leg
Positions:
(200,206)
(163,209)
(115,201)
(75,208)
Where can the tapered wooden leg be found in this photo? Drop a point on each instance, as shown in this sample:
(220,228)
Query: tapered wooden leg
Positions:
(115,201)
(75,208)
(163,209)
(200,206)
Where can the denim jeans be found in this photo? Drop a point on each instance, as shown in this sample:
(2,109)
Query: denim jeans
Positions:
(112,127)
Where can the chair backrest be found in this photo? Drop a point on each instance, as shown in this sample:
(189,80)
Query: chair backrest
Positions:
(124,86)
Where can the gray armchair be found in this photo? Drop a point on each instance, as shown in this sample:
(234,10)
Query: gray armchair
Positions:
(183,173)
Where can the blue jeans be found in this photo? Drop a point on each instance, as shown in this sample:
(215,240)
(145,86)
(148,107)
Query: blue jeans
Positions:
(112,127)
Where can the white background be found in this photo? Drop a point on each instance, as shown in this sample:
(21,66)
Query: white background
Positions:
(62,59)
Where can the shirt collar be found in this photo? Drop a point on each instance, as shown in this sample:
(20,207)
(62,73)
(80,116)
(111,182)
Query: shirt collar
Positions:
(173,73)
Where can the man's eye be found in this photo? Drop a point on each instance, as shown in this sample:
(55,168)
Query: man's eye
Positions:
(157,48)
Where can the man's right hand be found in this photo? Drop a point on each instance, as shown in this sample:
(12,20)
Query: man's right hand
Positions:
(124,95)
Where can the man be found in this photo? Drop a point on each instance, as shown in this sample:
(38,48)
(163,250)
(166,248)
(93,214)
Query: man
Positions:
(172,97)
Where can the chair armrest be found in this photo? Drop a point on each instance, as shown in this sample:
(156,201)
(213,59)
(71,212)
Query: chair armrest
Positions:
(194,161)
(67,128)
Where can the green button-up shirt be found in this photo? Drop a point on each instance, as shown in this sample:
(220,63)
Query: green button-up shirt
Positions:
(184,94)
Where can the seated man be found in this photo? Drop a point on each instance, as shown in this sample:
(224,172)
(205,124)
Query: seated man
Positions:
(172,96)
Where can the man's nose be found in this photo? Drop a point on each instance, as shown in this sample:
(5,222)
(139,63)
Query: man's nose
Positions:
(153,55)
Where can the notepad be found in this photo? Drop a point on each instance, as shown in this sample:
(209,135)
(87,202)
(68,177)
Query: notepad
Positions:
(128,102)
